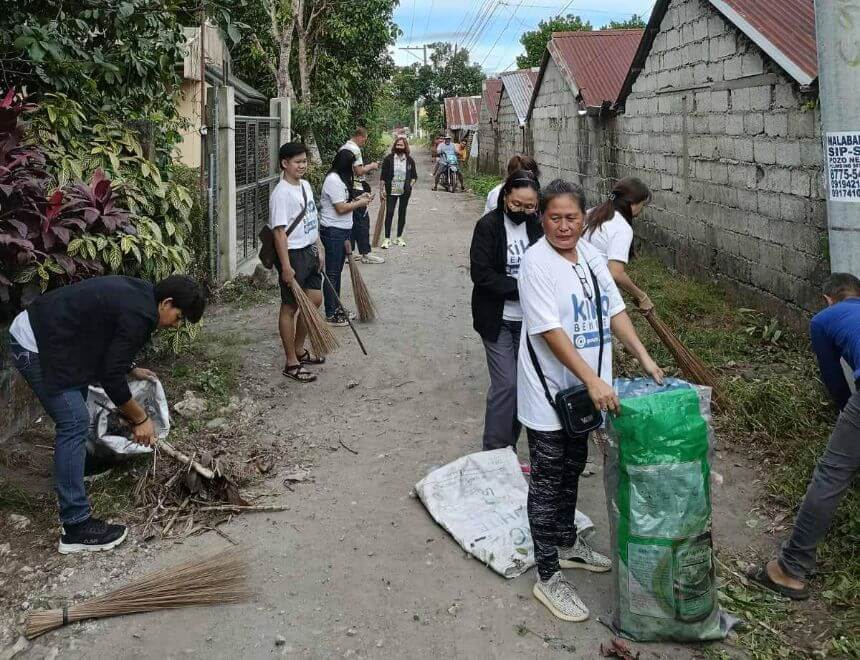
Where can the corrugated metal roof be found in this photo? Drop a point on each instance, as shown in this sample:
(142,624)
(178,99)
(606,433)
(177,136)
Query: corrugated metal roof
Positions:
(519,85)
(784,29)
(492,92)
(595,63)
(462,112)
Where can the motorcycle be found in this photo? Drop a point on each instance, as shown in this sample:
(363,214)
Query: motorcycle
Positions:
(450,176)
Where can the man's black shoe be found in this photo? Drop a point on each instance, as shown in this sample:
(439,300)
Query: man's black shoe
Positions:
(92,535)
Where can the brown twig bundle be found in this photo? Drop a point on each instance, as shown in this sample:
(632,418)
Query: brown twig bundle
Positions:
(690,364)
(219,578)
(380,221)
(363,302)
(321,337)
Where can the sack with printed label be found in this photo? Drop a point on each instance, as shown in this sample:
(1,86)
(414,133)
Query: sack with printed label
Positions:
(657,479)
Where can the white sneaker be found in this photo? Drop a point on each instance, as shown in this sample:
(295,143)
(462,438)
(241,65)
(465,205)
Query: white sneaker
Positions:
(400,241)
(372,259)
(582,555)
(386,243)
(560,598)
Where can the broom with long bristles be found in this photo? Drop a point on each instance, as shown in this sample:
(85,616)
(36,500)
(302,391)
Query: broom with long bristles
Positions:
(322,339)
(691,366)
(380,221)
(220,578)
(363,302)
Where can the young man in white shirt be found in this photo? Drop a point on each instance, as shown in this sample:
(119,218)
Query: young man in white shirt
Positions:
(361,218)
(300,256)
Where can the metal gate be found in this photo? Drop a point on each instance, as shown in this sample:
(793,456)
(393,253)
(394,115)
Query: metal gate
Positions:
(256,176)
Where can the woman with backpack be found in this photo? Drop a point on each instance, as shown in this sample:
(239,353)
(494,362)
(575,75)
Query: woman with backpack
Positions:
(398,175)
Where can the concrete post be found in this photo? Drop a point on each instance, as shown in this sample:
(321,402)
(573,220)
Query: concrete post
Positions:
(282,109)
(226,200)
(838,33)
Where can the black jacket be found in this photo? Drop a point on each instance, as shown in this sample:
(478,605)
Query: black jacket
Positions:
(386,174)
(493,286)
(90,332)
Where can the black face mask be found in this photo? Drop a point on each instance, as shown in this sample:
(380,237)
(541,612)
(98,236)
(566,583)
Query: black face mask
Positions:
(519,217)
(399,151)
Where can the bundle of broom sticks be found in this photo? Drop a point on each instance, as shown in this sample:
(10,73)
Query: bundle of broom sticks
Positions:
(363,302)
(380,222)
(220,578)
(691,366)
(322,339)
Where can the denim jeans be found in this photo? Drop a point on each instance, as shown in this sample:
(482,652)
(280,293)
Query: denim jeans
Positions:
(361,230)
(69,411)
(334,243)
(833,475)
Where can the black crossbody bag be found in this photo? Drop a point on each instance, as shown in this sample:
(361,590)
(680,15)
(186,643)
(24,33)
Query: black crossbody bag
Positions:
(574,406)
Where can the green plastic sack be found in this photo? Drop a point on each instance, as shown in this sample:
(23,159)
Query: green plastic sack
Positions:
(658,493)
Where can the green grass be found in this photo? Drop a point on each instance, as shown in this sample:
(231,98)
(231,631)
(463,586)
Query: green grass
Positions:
(481,184)
(777,411)
(241,293)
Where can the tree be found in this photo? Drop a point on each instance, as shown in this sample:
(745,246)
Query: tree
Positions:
(535,41)
(447,74)
(635,22)
(317,52)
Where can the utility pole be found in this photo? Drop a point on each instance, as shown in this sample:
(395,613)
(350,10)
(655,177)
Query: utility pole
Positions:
(838,34)
(409,50)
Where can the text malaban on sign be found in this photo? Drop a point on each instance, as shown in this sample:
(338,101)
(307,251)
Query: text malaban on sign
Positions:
(842,151)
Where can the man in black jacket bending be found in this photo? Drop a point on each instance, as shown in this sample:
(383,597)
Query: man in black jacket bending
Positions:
(88,333)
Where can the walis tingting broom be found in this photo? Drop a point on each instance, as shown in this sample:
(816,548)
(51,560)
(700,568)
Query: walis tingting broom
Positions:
(363,302)
(322,339)
(220,578)
(691,366)
(380,221)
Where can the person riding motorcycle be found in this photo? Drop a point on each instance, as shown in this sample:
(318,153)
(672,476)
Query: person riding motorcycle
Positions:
(446,156)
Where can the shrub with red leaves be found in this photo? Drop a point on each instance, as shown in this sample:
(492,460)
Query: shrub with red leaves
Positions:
(38,220)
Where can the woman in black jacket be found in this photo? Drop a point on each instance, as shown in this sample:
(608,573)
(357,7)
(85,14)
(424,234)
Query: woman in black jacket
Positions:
(500,239)
(398,176)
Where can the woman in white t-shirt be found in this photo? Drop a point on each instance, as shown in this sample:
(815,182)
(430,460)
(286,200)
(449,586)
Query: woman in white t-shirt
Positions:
(560,321)
(516,163)
(609,228)
(336,227)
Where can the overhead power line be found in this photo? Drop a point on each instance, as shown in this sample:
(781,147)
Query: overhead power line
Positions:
(505,29)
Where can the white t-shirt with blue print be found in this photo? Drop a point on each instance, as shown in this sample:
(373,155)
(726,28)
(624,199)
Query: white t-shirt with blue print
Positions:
(553,295)
(285,204)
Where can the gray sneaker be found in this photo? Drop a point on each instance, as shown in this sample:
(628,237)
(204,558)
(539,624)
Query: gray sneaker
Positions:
(582,555)
(560,598)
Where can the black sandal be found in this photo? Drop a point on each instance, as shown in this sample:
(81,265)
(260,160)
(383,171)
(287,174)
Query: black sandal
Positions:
(299,374)
(307,359)
(759,575)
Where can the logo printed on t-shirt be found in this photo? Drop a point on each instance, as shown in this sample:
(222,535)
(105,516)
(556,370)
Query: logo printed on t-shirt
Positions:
(310,219)
(516,250)
(585,330)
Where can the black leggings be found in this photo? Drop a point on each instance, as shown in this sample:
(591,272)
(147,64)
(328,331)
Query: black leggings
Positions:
(557,462)
(390,202)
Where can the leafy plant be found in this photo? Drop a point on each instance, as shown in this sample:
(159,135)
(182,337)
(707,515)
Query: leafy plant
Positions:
(39,223)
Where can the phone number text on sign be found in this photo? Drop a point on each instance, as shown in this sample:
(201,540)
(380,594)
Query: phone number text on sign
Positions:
(843,166)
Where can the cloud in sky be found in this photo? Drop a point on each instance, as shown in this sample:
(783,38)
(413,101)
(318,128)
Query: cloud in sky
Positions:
(493,39)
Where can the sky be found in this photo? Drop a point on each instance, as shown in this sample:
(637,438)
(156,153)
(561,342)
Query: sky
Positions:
(496,45)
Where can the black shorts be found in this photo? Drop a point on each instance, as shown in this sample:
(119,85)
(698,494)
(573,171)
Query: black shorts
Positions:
(306,262)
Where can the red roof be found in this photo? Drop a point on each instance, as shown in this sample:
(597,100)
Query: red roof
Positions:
(595,63)
(492,93)
(784,29)
(462,111)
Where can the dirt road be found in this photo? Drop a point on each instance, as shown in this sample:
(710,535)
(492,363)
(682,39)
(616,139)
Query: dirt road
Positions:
(356,567)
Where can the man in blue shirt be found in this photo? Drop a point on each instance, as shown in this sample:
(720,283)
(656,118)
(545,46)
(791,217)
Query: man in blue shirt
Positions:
(835,336)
